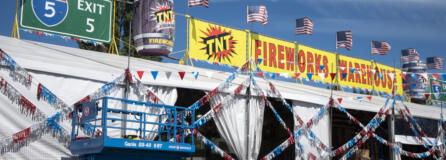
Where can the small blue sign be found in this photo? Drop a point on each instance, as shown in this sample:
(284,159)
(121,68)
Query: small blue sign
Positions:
(89,111)
(50,12)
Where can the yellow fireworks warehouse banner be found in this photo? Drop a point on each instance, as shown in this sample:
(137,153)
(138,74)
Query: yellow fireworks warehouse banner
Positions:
(216,43)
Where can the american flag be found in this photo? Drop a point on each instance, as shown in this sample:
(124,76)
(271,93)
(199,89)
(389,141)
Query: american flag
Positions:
(193,3)
(344,39)
(408,55)
(257,14)
(304,26)
(380,47)
(434,63)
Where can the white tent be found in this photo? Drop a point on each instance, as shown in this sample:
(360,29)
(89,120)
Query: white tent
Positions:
(72,73)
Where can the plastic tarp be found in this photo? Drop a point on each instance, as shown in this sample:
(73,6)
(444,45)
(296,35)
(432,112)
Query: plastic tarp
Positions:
(240,123)
(321,129)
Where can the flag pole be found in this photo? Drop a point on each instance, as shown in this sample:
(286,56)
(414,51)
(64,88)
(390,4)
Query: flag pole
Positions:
(371,62)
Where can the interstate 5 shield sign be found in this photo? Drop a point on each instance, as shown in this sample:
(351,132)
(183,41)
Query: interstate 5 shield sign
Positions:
(85,19)
(438,90)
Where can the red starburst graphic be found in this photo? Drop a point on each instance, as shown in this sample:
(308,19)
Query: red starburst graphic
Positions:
(162,8)
(219,43)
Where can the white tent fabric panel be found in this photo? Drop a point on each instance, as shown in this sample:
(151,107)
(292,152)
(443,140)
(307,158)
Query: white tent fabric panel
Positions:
(321,129)
(240,123)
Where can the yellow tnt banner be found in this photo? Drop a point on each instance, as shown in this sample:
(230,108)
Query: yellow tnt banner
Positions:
(360,73)
(274,55)
(316,62)
(215,43)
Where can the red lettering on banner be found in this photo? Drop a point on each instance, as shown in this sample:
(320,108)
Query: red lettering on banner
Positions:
(351,77)
(383,72)
(341,64)
(272,55)
(265,54)
(289,59)
(369,75)
(377,79)
(325,62)
(21,136)
(301,61)
(363,74)
(258,52)
(389,80)
(280,55)
(317,58)
(357,76)
(310,62)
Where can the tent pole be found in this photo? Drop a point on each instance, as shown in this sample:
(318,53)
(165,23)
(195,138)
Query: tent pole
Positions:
(391,124)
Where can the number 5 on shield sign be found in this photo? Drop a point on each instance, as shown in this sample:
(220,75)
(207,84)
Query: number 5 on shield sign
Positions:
(50,12)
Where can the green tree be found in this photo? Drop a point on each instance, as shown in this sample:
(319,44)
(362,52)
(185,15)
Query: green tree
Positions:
(124,14)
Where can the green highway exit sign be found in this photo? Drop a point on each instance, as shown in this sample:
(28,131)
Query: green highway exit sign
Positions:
(85,19)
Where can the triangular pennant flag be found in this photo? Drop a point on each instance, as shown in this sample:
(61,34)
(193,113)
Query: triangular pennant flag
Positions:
(209,74)
(352,70)
(309,75)
(435,75)
(333,76)
(380,75)
(322,75)
(154,74)
(427,95)
(259,61)
(273,76)
(342,69)
(340,100)
(168,74)
(344,75)
(260,74)
(403,75)
(414,86)
(392,76)
(370,98)
(404,85)
(182,74)
(322,67)
(297,75)
(414,76)
(196,75)
(140,73)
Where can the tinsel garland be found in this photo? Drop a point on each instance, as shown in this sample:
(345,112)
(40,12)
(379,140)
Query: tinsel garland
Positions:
(414,122)
(17,73)
(35,132)
(222,86)
(275,92)
(214,110)
(363,135)
(397,149)
(7,144)
(50,125)
(279,149)
(26,107)
(212,146)
(419,137)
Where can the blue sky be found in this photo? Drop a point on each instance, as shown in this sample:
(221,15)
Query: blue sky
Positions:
(419,24)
